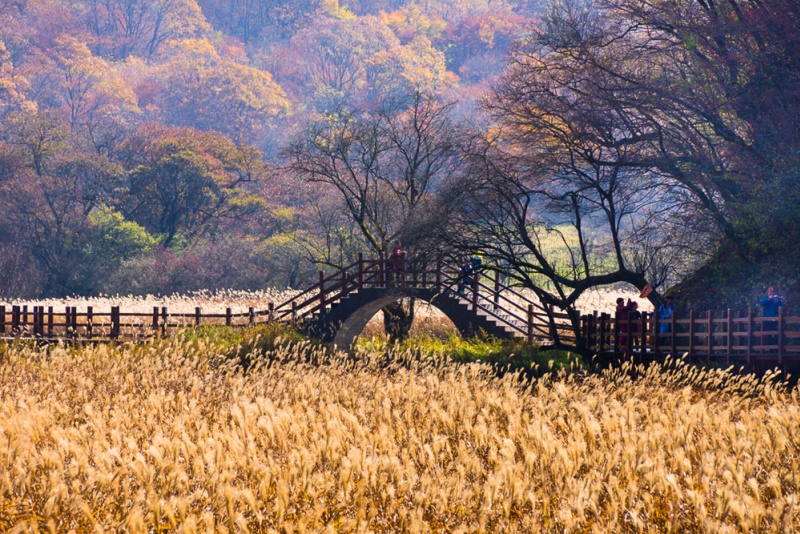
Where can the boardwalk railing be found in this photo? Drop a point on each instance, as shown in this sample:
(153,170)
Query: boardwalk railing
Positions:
(519,315)
(737,337)
(70,323)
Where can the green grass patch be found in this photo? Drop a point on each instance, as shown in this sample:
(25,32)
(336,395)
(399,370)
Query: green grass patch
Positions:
(512,355)
(241,343)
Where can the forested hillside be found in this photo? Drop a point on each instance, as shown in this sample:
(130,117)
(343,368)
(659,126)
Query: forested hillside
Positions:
(140,139)
(169,145)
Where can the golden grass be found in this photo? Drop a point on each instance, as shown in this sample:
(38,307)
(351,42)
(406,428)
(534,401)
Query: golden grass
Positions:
(170,437)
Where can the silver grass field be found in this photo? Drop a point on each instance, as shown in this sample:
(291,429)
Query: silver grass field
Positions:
(171,436)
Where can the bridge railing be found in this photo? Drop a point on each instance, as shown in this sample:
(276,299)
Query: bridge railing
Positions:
(736,336)
(509,307)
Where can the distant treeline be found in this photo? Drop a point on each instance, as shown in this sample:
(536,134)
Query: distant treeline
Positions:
(170,145)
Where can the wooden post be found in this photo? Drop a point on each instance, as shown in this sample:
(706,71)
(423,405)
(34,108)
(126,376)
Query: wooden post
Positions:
(294,312)
(643,334)
(584,331)
(35,320)
(228,317)
(25,317)
(14,320)
(75,321)
(530,324)
(251,312)
(271,308)
(50,321)
(603,327)
(89,319)
(629,336)
(34,327)
(360,272)
(710,349)
(691,334)
(165,320)
(673,338)
(656,331)
(67,322)
(155,320)
(424,270)
(729,344)
(321,292)
(2,320)
(780,335)
(115,327)
(749,336)
(616,333)
(198,316)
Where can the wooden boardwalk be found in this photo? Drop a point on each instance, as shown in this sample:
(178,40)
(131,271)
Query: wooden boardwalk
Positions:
(734,337)
(501,310)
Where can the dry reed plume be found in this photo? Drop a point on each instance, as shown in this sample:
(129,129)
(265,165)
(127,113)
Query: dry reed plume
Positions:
(168,436)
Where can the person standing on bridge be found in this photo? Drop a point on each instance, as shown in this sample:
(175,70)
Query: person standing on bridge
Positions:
(622,321)
(465,274)
(665,312)
(771,303)
(398,263)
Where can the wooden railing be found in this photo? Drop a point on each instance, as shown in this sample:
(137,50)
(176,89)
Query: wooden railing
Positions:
(734,336)
(49,323)
(504,304)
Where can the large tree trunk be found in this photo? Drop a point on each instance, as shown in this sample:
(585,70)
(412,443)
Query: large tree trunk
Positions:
(397,319)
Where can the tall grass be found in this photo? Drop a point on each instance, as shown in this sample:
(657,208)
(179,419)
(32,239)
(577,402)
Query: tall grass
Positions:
(176,436)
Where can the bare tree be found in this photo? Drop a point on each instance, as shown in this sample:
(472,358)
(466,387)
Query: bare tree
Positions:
(560,219)
(630,145)
(384,167)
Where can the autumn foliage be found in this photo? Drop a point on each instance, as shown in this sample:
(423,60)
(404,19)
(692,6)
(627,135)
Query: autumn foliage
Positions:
(165,119)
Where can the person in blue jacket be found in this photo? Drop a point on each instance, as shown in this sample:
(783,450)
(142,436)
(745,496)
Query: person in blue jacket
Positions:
(665,312)
(771,303)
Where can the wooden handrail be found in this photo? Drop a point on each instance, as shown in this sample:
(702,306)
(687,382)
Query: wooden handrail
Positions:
(708,334)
